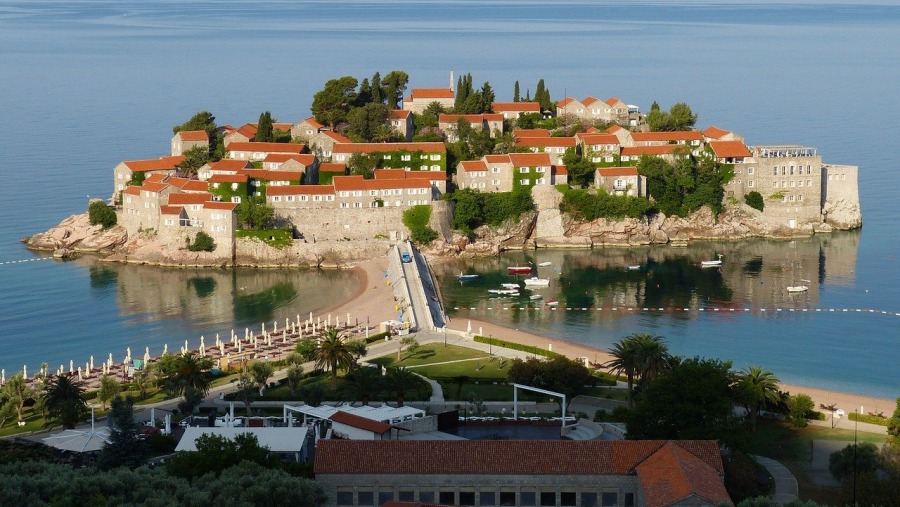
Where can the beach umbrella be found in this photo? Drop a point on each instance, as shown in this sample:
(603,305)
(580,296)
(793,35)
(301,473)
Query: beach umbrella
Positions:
(92,362)
(165,348)
(25,371)
(275,327)
(128,355)
(480,331)
(87,371)
(146,356)
(286,323)
(239,347)
(310,316)
(246,333)
(298,319)
(329,320)
(348,319)
(202,347)
(109,362)
(263,328)
(337,321)
(79,373)
(71,366)
(3,376)
(186,346)
(221,349)
(469,328)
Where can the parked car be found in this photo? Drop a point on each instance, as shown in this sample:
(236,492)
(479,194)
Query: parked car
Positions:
(404,257)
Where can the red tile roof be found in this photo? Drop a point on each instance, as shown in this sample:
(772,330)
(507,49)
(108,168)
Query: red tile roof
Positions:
(228,178)
(303,158)
(193,135)
(431,93)
(714,132)
(612,101)
(248,131)
(183,199)
(300,190)
(266,147)
(154,164)
(229,206)
(686,135)
(157,177)
(360,422)
(529,159)
(729,149)
(227,164)
(497,159)
(498,457)
(594,139)
(590,100)
(387,174)
(132,190)
(389,147)
(672,474)
(565,102)
(152,186)
(336,137)
(617,171)
(561,170)
(312,122)
(399,114)
(186,184)
(332,167)
(476,165)
(524,107)
(537,142)
(612,129)
(523,133)
(284,127)
(170,210)
(453,118)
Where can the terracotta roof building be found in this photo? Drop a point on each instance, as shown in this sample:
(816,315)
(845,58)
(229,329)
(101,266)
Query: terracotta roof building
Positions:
(630,473)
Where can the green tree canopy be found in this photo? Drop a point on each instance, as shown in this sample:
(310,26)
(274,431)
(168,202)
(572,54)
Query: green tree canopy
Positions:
(109,389)
(194,158)
(581,170)
(101,214)
(265,132)
(756,388)
(393,86)
(176,373)
(125,447)
(682,187)
(861,458)
(333,354)
(204,120)
(370,123)
(679,117)
(254,214)
(559,374)
(331,105)
(63,399)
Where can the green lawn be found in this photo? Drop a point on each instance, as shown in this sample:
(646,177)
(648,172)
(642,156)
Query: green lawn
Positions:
(428,354)
(277,238)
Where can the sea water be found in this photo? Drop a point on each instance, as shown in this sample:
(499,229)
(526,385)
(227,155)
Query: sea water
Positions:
(89,84)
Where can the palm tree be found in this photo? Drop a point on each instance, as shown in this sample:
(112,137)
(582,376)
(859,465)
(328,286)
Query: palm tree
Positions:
(64,400)
(756,387)
(363,384)
(625,360)
(400,380)
(192,371)
(333,353)
(653,357)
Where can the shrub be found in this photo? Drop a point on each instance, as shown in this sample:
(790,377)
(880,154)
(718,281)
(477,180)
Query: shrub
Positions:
(799,405)
(203,242)
(866,418)
(582,205)
(755,200)
(416,220)
(516,346)
(100,213)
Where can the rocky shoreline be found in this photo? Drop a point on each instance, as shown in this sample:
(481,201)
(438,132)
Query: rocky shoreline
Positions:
(546,227)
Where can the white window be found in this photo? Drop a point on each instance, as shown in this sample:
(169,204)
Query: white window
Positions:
(809,169)
(357,205)
(290,198)
(196,207)
(345,193)
(540,169)
(234,186)
(524,181)
(423,167)
(276,198)
(436,156)
(750,183)
(329,197)
(775,184)
(495,170)
(792,198)
(304,198)
(792,183)
(423,191)
(357,193)
(170,221)
(495,182)
(540,181)
(387,157)
(317,198)
(435,168)
(215,185)
(784,198)
(751,170)
(128,200)
(373,192)
(481,185)
(406,158)
(524,170)
(473,185)
(799,197)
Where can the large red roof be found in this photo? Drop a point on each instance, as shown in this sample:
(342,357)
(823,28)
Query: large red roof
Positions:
(227,164)
(476,165)
(529,159)
(266,147)
(523,107)
(303,158)
(729,149)
(681,135)
(228,206)
(182,199)
(498,457)
(714,132)
(672,474)
(664,149)
(267,175)
(332,167)
(593,139)
(523,133)
(193,135)
(618,171)
(154,164)
(299,190)
(228,178)
(357,182)
(431,93)
(360,422)
(389,147)
(537,142)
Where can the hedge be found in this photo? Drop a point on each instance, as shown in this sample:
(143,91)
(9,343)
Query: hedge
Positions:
(375,337)
(866,418)
(517,346)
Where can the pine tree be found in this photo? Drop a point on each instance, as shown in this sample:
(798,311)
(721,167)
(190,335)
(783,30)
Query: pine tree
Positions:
(487,98)
(377,92)
(365,93)
(516,97)
(264,129)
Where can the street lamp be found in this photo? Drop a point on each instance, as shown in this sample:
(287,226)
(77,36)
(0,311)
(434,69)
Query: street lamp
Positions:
(445,336)
(491,345)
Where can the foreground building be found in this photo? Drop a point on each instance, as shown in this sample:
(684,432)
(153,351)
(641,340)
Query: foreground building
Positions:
(631,473)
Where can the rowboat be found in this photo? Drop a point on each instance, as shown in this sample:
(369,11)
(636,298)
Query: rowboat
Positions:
(798,288)
(514,286)
(711,264)
(462,278)
(552,302)
(544,264)
(535,297)
(518,270)
(538,282)
(504,292)
(633,267)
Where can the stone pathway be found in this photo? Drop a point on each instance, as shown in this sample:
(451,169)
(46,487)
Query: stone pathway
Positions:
(786,489)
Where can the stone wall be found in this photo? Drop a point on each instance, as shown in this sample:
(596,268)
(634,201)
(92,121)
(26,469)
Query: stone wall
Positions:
(841,196)
(341,224)
(419,425)
(301,253)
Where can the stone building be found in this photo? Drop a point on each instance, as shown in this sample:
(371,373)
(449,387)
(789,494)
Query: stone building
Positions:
(134,171)
(306,129)
(402,123)
(449,124)
(621,181)
(554,146)
(187,139)
(630,473)
(511,111)
(420,98)
(426,156)
(259,151)
(592,110)
(503,173)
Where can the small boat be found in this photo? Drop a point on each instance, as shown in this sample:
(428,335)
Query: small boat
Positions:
(510,286)
(711,264)
(462,278)
(535,297)
(544,264)
(518,270)
(539,282)
(505,292)
(798,288)
(633,267)
(552,302)
(506,295)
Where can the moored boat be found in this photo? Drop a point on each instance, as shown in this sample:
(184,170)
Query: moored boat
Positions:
(798,288)
(505,292)
(510,286)
(711,264)
(518,270)
(544,264)
(535,297)
(537,282)
(552,302)
(633,267)
(462,278)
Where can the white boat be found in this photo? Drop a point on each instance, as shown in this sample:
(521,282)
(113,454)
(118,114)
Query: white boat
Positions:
(535,297)
(461,277)
(544,264)
(633,267)
(552,302)
(505,292)
(540,282)
(798,288)
(510,286)
(711,264)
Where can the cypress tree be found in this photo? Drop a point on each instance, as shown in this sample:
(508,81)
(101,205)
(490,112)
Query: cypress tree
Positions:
(264,129)
(516,97)
(377,93)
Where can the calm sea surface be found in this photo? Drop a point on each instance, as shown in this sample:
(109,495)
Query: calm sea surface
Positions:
(87,84)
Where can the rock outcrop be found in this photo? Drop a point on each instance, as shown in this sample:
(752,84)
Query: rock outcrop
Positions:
(76,234)
(301,254)
(842,214)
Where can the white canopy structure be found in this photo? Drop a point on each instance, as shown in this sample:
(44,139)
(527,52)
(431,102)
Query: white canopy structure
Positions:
(281,440)
(384,413)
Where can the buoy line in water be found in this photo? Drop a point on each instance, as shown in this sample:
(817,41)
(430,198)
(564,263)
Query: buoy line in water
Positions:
(645,309)
(21,261)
